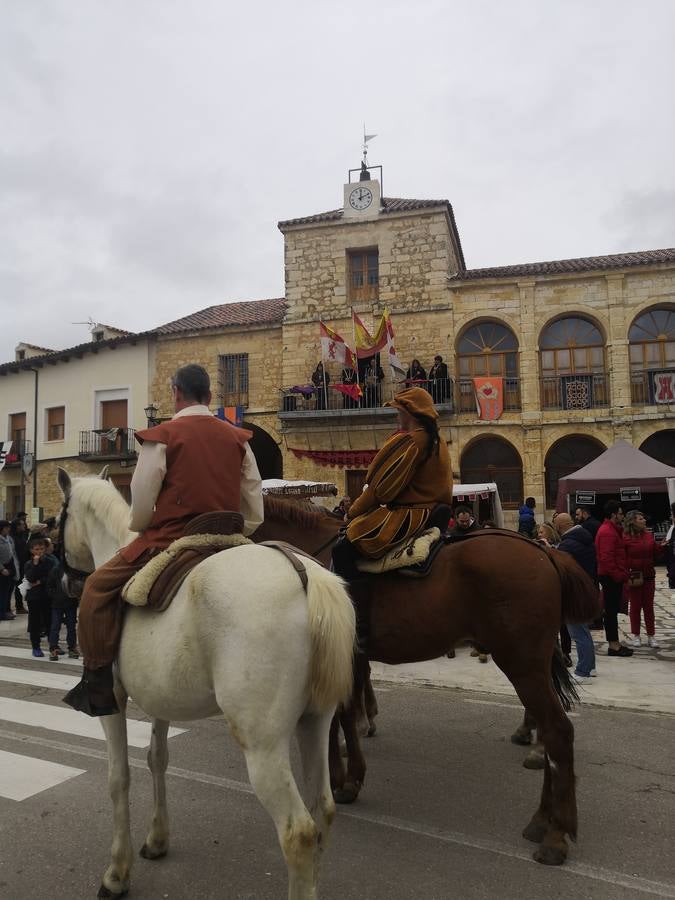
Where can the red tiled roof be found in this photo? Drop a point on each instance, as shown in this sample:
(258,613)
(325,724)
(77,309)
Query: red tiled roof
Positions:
(247,312)
(582,264)
(389,205)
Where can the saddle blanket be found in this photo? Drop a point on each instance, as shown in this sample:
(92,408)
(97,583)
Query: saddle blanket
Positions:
(139,586)
(410,553)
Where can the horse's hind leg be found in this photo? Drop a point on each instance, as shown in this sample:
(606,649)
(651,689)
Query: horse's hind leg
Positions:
(157,841)
(115,881)
(312,733)
(269,770)
(556,816)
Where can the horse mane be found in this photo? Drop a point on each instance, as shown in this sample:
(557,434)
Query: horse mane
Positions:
(102,499)
(302,513)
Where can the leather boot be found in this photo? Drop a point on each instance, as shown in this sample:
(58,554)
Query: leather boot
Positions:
(94,694)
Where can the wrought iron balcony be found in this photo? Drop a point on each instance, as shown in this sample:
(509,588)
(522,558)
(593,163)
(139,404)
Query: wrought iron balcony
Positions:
(307,399)
(466,395)
(574,392)
(652,386)
(114,443)
(19,449)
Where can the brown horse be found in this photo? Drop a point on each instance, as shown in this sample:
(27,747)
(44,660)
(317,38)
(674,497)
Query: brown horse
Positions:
(497,589)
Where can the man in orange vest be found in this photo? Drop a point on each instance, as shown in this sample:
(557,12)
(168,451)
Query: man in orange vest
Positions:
(192,464)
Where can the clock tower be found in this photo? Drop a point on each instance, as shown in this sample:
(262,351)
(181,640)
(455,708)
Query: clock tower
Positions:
(362,198)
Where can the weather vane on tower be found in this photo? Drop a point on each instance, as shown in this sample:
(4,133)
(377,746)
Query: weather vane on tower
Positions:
(364,162)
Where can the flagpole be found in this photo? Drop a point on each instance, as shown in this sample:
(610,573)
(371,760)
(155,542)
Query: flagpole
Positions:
(323,369)
(356,355)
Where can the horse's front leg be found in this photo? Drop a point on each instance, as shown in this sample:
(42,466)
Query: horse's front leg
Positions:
(157,841)
(115,881)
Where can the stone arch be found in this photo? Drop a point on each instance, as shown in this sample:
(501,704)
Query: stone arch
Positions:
(493,458)
(661,445)
(566,455)
(266,451)
(483,347)
(651,346)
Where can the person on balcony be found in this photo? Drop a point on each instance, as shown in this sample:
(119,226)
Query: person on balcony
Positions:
(416,376)
(319,382)
(373,376)
(349,376)
(438,378)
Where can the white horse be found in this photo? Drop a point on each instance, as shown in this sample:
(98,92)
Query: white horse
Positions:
(241,638)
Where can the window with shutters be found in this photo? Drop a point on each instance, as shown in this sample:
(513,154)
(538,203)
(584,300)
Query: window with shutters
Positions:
(233,379)
(363,274)
(56,423)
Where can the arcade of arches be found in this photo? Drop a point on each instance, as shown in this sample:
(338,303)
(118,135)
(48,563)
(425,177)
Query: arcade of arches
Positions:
(566,456)
(494,459)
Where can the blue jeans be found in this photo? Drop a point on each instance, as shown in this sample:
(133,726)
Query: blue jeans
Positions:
(582,637)
(69,616)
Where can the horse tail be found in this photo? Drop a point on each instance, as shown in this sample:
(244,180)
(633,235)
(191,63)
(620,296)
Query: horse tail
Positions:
(563,683)
(332,625)
(581,602)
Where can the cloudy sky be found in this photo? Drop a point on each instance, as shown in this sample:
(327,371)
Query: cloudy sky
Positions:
(149,147)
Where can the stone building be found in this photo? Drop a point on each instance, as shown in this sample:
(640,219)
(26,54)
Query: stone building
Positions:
(578,344)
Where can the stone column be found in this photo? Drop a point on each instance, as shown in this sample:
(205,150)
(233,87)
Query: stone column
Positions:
(529,363)
(618,360)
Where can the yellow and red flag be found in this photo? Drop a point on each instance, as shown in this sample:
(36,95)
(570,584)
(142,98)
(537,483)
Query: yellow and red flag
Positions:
(366,344)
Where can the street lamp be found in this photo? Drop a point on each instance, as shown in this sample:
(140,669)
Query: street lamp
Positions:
(151,414)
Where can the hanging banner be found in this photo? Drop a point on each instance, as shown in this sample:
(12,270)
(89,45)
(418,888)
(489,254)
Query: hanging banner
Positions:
(489,397)
(5,447)
(232,414)
(664,387)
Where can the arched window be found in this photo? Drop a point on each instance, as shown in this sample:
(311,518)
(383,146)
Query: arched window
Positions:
(661,446)
(652,351)
(494,459)
(488,348)
(572,358)
(566,456)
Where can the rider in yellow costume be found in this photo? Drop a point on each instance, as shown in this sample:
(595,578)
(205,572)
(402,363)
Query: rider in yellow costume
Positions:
(410,475)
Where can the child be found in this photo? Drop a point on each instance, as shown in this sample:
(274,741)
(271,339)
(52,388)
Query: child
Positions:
(64,609)
(37,571)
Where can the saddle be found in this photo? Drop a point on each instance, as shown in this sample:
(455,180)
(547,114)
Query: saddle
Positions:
(158,582)
(412,558)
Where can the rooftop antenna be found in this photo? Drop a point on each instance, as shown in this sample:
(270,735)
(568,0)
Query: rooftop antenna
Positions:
(365,174)
(90,322)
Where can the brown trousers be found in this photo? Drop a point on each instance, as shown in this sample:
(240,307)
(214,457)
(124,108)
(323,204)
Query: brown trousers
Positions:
(102,609)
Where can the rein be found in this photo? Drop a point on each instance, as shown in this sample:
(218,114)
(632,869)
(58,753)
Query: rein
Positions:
(67,568)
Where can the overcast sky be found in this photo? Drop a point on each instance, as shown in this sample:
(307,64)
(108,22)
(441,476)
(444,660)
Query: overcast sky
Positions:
(149,147)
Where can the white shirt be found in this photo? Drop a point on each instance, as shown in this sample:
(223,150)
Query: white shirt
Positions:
(150,471)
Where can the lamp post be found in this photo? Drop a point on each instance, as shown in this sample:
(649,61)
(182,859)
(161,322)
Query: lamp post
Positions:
(151,414)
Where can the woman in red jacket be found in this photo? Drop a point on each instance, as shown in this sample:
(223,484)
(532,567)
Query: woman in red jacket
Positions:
(641,552)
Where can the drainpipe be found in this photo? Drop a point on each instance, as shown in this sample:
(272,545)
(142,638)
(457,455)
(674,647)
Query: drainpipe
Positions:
(35,430)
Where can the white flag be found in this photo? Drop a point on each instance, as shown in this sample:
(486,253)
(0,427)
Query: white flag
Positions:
(368,137)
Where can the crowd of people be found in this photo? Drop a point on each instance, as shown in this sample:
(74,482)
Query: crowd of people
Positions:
(30,576)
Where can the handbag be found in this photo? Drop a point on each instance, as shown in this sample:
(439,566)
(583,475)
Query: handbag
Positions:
(635,578)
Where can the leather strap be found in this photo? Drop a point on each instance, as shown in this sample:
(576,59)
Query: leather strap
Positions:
(291,553)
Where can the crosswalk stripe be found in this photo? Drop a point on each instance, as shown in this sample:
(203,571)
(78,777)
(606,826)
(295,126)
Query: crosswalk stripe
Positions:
(55,680)
(25,654)
(24,776)
(68,721)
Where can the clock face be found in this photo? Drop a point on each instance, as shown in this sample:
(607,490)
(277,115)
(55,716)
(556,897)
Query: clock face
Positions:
(360,198)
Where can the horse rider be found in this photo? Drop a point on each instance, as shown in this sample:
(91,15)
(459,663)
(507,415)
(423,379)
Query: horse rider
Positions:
(410,475)
(192,464)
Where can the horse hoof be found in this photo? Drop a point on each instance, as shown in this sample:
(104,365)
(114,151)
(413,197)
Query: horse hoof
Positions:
(524,738)
(105,893)
(482,657)
(372,730)
(347,793)
(535,832)
(149,853)
(550,856)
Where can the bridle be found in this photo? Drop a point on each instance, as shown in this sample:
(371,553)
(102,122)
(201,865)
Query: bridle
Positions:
(67,568)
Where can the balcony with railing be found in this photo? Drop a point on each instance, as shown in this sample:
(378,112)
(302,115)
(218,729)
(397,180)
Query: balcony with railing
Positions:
(575,392)
(466,395)
(339,400)
(112,443)
(652,386)
(20,447)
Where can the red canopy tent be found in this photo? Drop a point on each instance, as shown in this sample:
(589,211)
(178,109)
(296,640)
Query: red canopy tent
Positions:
(620,466)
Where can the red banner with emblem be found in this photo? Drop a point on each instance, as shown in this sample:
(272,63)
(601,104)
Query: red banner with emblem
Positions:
(489,397)
(664,387)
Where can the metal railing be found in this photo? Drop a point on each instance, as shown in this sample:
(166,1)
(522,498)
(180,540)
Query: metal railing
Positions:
(19,449)
(648,388)
(115,443)
(310,399)
(570,392)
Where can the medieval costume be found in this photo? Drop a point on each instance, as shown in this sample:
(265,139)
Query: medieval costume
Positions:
(438,378)
(409,476)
